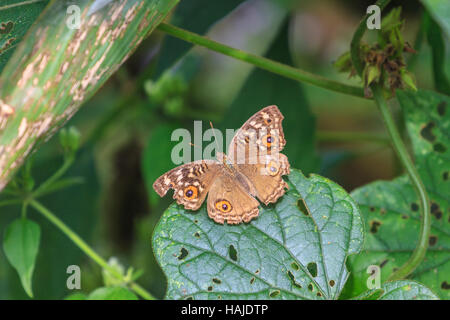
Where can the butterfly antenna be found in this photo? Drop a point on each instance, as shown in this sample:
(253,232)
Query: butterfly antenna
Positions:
(215,139)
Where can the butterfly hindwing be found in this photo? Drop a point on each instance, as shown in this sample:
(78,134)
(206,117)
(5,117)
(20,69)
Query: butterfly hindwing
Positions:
(265,176)
(229,201)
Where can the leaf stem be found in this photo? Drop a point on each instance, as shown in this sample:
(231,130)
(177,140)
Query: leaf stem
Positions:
(53,178)
(261,62)
(344,136)
(399,147)
(86,248)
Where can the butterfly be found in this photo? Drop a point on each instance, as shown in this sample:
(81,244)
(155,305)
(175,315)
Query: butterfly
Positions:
(253,168)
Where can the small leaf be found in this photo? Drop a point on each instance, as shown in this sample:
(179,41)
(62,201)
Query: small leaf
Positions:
(399,290)
(344,62)
(406,290)
(295,249)
(373,74)
(108,278)
(112,293)
(76,296)
(408,79)
(21,244)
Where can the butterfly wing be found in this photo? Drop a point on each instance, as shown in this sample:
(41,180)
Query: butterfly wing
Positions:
(255,153)
(266,177)
(229,201)
(191,182)
(260,135)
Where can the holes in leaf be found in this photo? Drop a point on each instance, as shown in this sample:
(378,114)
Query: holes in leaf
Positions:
(189,298)
(439,147)
(319,294)
(383,263)
(441,108)
(332,283)
(215,280)
(257,271)
(427,133)
(374,225)
(404,216)
(414,206)
(294,282)
(252,280)
(445,176)
(310,287)
(302,206)
(195,221)
(295,266)
(197,235)
(210,288)
(6,27)
(183,253)
(432,240)
(232,252)
(274,293)
(445,285)
(436,211)
(219,297)
(372,209)
(312,268)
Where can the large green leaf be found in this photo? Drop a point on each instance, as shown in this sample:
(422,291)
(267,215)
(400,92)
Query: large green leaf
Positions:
(295,249)
(21,245)
(16,18)
(391,210)
(56,68)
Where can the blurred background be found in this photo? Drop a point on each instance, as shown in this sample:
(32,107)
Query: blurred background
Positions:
(166,84)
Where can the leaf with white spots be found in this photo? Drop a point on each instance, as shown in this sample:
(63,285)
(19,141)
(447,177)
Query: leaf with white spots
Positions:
(295,249)
(59,64)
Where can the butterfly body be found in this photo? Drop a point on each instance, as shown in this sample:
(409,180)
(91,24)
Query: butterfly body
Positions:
(252,169)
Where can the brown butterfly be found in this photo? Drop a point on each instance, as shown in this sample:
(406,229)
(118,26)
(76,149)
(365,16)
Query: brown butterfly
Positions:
(253,167)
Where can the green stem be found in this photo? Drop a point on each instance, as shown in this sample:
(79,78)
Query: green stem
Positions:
(261,62)
(86,248)
(59,173)
(399,147)
(339,136)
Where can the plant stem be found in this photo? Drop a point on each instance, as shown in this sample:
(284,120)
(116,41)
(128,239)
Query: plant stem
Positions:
(340,136)
(87,249)
(261,62)
(59,173)
(399,147)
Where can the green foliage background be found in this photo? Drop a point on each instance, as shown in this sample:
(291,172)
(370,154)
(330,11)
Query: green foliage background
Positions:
(167,83)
